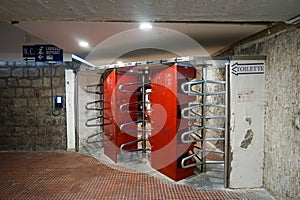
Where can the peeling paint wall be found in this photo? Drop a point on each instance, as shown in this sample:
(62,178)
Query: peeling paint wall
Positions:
(246,124)
(282,108)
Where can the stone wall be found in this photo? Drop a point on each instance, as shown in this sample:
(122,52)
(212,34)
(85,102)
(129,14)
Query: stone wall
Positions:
(26,120)
(282,106)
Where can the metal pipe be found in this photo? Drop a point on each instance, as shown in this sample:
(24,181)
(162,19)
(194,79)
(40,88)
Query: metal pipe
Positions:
(93,108)
(136,84)
(143,116)
(54,111)
(203,131)
(189,133)
(121,107)
(87,88)
(227,119)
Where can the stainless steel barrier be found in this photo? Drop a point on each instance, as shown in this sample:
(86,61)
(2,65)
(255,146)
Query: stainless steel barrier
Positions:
(139,89)
(198,114)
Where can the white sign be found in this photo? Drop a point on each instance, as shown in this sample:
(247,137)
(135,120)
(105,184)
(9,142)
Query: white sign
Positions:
(248,68)
(246,140)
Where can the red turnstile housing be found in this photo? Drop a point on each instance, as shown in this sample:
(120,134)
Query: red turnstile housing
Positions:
(113,117)
(167,101)
(167,125)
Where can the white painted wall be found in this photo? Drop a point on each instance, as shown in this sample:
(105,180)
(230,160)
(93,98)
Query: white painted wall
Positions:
(70,109)
(246,124)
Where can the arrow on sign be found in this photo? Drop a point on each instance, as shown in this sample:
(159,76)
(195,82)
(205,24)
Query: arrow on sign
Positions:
(29,59)
(247,68)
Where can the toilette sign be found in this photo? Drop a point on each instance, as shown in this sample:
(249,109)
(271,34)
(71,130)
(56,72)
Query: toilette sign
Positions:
(42,53)
(238,68)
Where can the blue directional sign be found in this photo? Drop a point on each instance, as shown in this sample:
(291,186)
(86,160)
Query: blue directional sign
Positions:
(29,52)
(42,53)
(48,53)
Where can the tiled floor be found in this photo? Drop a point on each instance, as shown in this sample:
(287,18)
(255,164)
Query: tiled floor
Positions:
(59,175)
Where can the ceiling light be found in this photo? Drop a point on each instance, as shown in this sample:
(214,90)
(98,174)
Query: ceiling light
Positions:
(145,26)
(83,44)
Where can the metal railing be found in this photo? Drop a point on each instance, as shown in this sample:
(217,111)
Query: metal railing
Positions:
(197,113)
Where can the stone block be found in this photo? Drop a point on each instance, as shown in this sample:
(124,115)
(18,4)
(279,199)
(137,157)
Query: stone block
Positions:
(19,92)
(58,82)
(18,72)
(41,131)
(30,111)
(45,93)
(61,120)
(44,110)
(5,131)
(20,102)
(8,92)
(12,82)
(29,92)
(60,91)
(5,72)
(33,120)
(45,102)
(18,121)
(46,82)
(4,140)
(33,72)
(60,72)
(47,71)
(3,83)
(33,102)
(37,83)
(19,131)
(24,83)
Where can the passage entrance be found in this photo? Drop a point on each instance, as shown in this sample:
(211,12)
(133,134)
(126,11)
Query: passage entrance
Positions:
(174,109)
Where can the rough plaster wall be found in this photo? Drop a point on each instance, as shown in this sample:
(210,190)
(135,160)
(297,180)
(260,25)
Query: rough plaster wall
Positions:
(212,74)
(26,122)
(282,110)
(89,137)
(216,74)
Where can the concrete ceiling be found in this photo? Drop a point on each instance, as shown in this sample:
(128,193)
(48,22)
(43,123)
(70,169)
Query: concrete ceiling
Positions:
(150,10)
(113,39)
(110,26)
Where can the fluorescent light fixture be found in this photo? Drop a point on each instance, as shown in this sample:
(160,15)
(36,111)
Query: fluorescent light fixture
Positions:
(82,61)
(145,26)
(83,44)
(293,20)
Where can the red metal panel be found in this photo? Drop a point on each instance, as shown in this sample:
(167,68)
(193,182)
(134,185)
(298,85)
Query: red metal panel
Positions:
(113,118)
(167,101)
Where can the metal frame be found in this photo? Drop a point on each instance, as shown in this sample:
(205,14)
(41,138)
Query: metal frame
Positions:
(200,63)
(98,106)
(122,88)
(193,135)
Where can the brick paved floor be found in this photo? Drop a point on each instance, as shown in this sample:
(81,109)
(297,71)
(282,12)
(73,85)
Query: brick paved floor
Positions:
(57,175)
